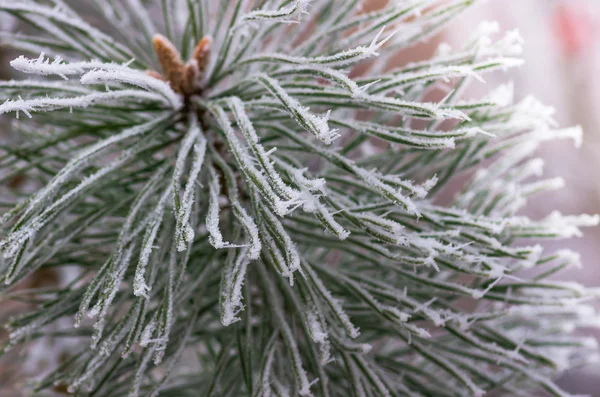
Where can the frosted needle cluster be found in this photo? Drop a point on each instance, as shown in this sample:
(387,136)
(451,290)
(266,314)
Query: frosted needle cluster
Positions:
(248,198)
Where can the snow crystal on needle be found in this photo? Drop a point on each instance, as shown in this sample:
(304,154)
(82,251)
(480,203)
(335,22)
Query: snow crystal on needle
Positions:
(98,73)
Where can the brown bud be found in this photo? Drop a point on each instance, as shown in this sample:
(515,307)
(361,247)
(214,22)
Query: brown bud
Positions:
(201,53)
(170,61)
(184,78)
(191,77)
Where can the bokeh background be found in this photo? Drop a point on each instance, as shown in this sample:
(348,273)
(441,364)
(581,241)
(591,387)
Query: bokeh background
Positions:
(562,53)
(562,68)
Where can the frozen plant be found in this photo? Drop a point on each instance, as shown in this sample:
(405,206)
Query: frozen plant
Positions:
(249,218)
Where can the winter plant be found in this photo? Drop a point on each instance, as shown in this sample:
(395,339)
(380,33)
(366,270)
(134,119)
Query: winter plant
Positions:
(243,210)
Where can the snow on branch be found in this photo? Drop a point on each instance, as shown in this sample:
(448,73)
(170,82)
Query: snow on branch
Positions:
(317,125)
(113,98)
(95,72)
(283,14)
(338,60)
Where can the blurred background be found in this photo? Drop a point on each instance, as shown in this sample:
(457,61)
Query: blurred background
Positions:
(562,68)
(562,53)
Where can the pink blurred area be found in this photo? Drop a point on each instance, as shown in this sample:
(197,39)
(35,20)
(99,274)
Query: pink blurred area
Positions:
(562,53)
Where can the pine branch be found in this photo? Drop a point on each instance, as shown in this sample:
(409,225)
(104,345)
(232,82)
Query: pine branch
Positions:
(217,183)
